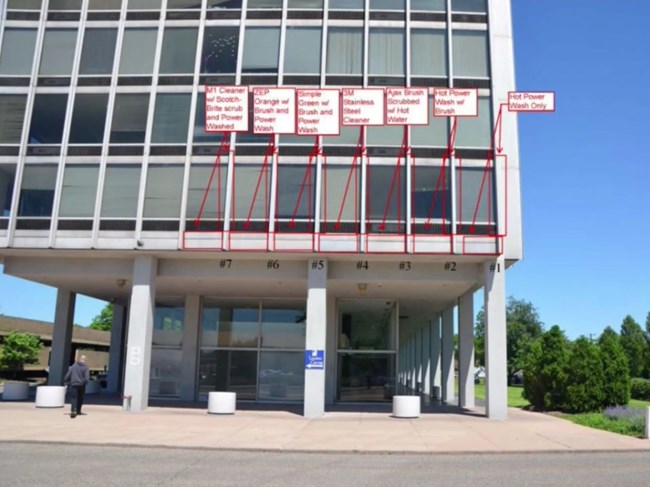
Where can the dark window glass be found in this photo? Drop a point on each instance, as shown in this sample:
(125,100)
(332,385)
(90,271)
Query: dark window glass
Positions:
(283,325)
(79,191)
(264,4)
(346,5)
(387,5)
(249,203)
(48,117)
(171,118)
(199,180)
(165,372)
(227,370)
(12,108)
(479,6)
(282,376)
(7,178)
(261,49)
(24,4)
(89,118)
(58,52)
(129,119)
(305,4)
(144,4)
(366,377)
(37,190)
(168,324)
(138,50)
(183,4)
(296,191)
(302,50)
(431,193)
(104,4)
(429,5)
(475,188)
(98,52)
(340,193)
(386,193)
(230,325)
(17,54)
(224,4)
(220,50)
(121,187)
(65,4)
(162,197)
(178,50)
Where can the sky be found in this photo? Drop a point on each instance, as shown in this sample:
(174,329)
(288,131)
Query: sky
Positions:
(585,170)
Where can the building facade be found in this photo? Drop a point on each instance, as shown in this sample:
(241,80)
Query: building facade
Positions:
(293,268)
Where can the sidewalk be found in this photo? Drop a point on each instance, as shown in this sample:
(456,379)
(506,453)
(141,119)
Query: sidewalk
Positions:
(287,431)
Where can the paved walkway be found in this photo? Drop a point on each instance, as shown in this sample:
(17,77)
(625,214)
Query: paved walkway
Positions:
(287,431)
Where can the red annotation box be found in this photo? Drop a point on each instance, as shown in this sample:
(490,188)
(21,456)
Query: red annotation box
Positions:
(274,111)
(318,112)
(363,106)
(407,106)
(531,101)
(226,108)
(455,102)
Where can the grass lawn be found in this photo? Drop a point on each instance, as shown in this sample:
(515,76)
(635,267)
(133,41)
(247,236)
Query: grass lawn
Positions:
(629,427)
(638,404)
(514,395)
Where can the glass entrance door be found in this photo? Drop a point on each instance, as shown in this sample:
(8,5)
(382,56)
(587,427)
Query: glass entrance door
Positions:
(366,352)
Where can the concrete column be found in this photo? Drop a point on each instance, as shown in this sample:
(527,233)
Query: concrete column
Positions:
(466,350)
(426,359)
(414,378)
(141,316)
(116,353)
(418,361)
(316,336)
(447,356)
(496,387)
(189,364)
(436,376)
(331,355)
(60,358)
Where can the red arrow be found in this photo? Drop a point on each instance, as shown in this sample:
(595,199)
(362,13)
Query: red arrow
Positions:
(499,125)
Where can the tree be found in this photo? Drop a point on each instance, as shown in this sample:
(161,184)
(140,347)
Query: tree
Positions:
(104,320)
(584,378)
(634,344)
(647,347)
(17,350)
(523,326)
(616,385)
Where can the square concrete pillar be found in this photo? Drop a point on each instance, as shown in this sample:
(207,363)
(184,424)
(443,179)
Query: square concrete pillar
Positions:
(316,337)
(141,316)
(116,351)
(189,355)
(60,356)
(436,376)
(331,355)
(426,360)
(418,361)
(466,350)
(496,384)
(447,355)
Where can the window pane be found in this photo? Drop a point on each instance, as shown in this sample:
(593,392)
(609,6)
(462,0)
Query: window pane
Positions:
(129,119)
(346,4)
(12,108)
(349,136)
(294,199)
(436,134)
(121,187)
(165,372)
(367,326)
(366,377)
(264,4)
(477,131)
(386,52)
(429,5)
(428,52)
(261,49)
(171,118)
(429,187)
(220,50)
(58,52)
(198,185)
(162,198)
(65,5)
(79,190)
(168,325)
(229,325)
(468,185)
(24,4)
(89,118)
(386,193)
(340,193)
(469,6)
(470,54)
(303,48)
(37,190)
(387,135)
(178,50)
(7,178)
(48,117)
(305,4)
(200,135)
(282,376)
(283,325)
(387,5)
(228,371)
(104,4)
(138,50)
(17,52)
(251,192)
(144,4)
(183,4)
(345,50)
(98,51)
(224,4)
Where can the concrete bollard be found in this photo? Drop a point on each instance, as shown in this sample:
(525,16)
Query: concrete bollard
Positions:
(647,423)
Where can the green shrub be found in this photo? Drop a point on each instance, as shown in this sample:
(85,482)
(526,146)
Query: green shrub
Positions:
(616,385)
(641,389)
(584,378)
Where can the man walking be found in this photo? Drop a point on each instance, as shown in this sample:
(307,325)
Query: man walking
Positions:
(77,377)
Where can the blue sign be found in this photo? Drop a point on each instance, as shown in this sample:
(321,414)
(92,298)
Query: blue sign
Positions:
(314,359)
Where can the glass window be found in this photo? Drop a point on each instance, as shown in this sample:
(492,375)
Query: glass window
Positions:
(283,325)
(349,136)
(129,119)
(24,4)
(345,50)
(12,108)
(58,52)
(476,131)
(346,4)
(340,195)
(366,377)
(303,49)
(220,50)
(296,191)
(65,5)
(98,52)
(264,4)
(37,190)
(171,118)
(79,190)
(303,4)
(224,4)
(178,50)
(386,193)
(183,4)
(89,118)
(261,49)
(252,189)
(7,179)
(162,197)
(386,54)
(229,371)
(387,135)
(200,135)
(436,134)
(165,372)
(144,4)
(203,179)
(387,5)
(168,325)
(48,117)
(429,187)
(104,4)
(138,50)
(428,52)
(479,6)
(282,376)
(230,325)
(473,200)
(470,53)
(17,54)
(121,188)
(429,5)
(367,325)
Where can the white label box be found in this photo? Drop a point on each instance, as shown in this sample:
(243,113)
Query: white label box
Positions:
(226,108)
(455,102)
(363,106)
(407,106)
(274,111)
(531,101)
(319,112)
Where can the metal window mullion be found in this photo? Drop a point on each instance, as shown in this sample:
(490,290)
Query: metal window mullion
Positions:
(283,36)
(259,349)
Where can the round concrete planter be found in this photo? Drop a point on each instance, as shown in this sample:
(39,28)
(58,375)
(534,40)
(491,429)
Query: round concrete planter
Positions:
(15,391)
(50,396)
(406,406)
(93,387)
(222,402)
